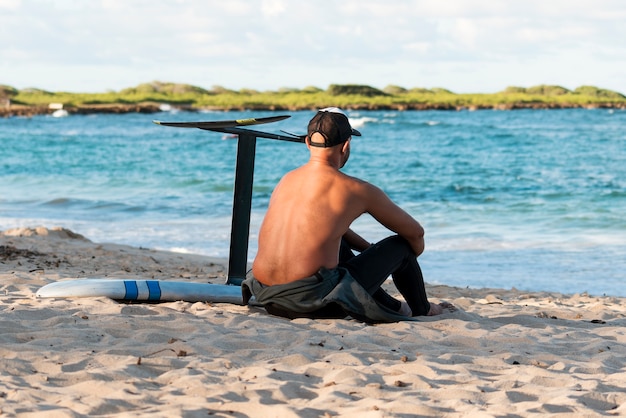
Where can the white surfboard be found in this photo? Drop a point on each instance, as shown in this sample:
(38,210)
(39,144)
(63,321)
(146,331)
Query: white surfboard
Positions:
(143,290)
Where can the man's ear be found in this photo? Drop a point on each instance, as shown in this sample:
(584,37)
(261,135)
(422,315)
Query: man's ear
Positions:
(307,141)
(345,146)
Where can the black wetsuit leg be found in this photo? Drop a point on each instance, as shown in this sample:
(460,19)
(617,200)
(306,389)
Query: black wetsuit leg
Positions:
(391,256)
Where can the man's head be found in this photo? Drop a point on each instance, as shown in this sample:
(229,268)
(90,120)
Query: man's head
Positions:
(332,125)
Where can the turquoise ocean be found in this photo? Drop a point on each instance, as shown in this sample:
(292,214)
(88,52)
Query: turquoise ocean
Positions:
(530,199)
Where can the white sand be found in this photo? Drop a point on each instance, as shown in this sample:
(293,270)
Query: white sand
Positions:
(503,353)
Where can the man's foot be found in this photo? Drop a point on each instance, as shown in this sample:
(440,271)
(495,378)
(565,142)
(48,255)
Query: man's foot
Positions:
(438,309)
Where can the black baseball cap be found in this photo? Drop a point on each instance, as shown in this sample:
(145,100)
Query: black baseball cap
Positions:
(333,125)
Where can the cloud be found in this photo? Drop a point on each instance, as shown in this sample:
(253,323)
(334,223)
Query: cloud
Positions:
(9,4)
(267,44)
(273,7)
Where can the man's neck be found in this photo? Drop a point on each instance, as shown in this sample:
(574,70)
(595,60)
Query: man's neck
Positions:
(329,160)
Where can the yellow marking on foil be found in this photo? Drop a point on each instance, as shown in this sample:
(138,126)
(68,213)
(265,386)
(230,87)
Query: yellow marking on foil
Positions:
(249,121)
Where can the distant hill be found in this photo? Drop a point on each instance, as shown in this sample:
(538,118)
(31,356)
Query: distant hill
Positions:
(148,97)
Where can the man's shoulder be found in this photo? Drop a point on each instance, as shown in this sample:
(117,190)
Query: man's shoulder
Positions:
(358,183)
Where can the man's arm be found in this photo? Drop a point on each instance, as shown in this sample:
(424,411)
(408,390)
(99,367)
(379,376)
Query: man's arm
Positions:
(392,216)
(355,241)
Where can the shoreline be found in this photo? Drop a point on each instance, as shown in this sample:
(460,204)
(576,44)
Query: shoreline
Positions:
(14,110)
(502,352)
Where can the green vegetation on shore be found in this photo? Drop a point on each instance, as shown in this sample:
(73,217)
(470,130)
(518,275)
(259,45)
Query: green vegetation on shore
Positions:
(147,97)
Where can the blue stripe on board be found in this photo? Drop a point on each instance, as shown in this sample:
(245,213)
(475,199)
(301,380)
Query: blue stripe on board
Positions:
(154,290)
(131,290)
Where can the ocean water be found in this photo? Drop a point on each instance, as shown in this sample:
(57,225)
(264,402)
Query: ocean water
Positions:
(531,199)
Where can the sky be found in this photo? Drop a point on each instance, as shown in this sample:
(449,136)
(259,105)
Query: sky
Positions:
(467,46)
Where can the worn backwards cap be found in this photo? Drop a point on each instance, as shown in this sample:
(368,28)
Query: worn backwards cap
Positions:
(333,125)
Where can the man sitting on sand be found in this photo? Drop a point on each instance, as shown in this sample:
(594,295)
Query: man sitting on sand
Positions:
(305,266)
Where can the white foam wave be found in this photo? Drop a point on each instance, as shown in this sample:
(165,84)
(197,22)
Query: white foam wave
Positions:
(360,122)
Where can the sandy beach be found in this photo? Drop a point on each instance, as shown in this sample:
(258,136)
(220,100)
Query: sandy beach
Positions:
(503,353)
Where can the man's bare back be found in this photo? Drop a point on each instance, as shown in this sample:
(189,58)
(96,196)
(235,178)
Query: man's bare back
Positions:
(320,203)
